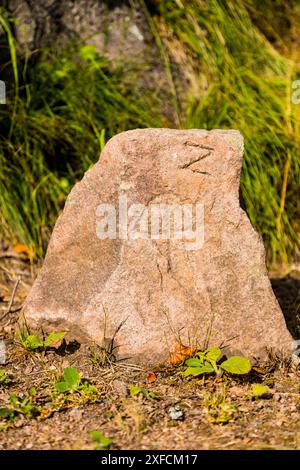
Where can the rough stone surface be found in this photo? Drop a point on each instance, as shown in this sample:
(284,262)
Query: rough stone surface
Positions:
(139,297)
(116,29)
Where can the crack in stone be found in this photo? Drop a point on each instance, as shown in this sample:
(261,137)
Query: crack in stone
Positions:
(194,144)
(161,276)
(202,172)
(196,160)
(171,273)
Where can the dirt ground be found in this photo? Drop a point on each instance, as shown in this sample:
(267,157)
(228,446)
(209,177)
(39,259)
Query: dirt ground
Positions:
(185,413)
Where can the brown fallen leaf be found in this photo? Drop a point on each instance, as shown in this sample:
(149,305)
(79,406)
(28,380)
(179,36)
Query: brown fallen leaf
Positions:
(181,353)
(151,377)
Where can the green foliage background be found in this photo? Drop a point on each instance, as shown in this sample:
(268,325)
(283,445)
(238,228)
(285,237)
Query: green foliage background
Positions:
(241,57)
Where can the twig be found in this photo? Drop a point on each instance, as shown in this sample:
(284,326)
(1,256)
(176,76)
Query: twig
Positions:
(7,254)
(16,309)
(11,299)
(127,365)
(111,346)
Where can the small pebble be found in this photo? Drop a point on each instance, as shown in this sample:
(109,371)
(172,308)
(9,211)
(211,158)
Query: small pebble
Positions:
(176,413)
(76,413)
(120,387)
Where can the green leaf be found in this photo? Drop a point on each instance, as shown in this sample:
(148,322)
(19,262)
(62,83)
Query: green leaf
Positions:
(104,442)
(194,362)
(88,53)
(213,354)
(6,413)
(134,390)
(53,338)
(33,342)
(72,377)
(62,387)
(4,378)
(201,355)
(203,369)
(150,394)
(14,399)
(259,390)
(32,391)
(236,365)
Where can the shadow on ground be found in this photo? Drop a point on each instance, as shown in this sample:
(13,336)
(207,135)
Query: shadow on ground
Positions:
(287,291)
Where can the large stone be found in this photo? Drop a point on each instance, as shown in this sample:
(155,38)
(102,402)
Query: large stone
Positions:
(140,297)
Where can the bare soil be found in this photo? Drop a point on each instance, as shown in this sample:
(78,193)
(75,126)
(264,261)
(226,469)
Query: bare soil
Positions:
(213,412)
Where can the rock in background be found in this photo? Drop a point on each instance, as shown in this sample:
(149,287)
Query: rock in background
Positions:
(114,28)
(119,31)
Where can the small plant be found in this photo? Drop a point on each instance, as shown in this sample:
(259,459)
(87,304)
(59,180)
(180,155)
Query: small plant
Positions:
(103,442)
(135,390)
(25,405)
(73,383)
(72,390)
(207,362)
(218,409)
(4,378)
(33,342)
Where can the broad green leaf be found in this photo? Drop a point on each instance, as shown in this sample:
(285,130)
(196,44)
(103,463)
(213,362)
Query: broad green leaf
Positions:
(32,391)
(88,52)
(4,378)
(201,355)
(33,342)
(14,399)
(236,365)
(192,371)
(6,413)
(104,442)
(72,377)
(62,387)
(203,369)
(53,338)
(259,390)
(194,362)
(134,390)
(213,354)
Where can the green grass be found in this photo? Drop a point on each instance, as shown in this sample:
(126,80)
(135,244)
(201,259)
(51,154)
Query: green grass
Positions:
(241,62)
(68,104)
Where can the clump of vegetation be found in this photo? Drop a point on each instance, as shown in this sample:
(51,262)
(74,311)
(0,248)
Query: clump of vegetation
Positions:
(5,379)
(34,342)
(218,409)
(134,390)
(103,442)
(208,362)
(73,383)
(21,405)
(73,390)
